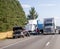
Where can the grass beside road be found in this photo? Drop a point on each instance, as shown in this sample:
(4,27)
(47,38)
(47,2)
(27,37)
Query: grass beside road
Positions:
(4,35)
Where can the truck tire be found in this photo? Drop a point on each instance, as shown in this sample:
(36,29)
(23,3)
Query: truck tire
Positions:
(13,37)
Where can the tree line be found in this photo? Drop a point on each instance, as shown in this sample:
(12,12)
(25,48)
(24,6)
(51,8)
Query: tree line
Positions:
(12,14)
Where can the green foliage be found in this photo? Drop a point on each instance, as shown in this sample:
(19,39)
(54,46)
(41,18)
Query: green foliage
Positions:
(32,14)
(11,14)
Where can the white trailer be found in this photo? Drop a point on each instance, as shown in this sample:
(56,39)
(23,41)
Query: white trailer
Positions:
(49,26)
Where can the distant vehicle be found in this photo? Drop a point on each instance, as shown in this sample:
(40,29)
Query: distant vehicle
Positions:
(49,26)
(58,29)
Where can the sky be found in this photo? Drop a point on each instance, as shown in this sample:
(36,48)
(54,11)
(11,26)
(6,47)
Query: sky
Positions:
(44,8)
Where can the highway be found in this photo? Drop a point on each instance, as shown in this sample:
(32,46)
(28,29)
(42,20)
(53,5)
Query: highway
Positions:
(33,42)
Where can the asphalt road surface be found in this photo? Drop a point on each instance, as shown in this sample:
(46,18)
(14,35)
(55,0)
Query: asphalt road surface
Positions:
(33,42)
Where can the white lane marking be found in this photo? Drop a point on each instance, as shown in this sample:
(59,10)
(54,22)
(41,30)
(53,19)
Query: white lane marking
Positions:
(15,43)
(47,43)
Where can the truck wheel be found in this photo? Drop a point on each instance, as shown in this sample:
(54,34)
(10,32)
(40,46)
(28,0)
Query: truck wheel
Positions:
(28,34)
(18,36)
(13,37)
(22,36)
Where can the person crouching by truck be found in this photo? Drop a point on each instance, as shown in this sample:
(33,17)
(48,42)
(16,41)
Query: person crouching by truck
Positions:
(37,31)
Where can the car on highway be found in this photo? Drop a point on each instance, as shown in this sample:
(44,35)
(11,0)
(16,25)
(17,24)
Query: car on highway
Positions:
(19,32)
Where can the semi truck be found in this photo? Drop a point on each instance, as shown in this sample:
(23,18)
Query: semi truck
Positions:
(49,26)
(31,26)
(39,29)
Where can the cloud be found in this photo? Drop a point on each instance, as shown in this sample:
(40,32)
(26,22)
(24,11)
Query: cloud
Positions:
(26,6)
(47,5)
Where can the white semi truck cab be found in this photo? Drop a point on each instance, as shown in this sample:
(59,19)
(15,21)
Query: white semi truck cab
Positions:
(31,26)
